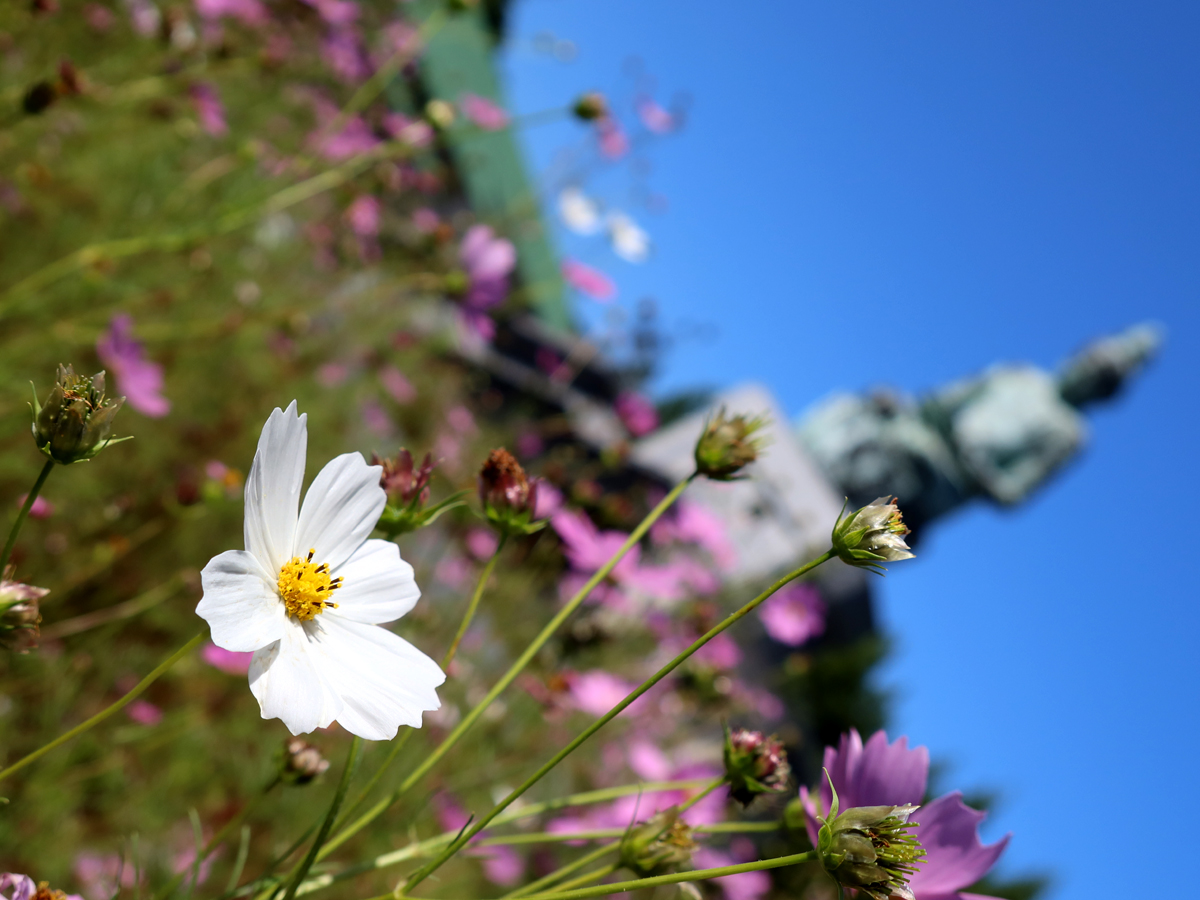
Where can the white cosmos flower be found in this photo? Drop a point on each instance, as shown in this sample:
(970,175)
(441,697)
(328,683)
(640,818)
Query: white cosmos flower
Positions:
(318,659)
(629,240)
(579,212)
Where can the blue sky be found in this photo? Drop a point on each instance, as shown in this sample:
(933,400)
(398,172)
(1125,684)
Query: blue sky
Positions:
(903,193)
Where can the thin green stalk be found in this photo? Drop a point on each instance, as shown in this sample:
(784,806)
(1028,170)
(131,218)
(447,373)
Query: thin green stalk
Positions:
(398,743)
(517,667)
(239,864)
(105,713)
(586,878)
(428,869)
(352,761)
(24,513)
(474,604)
(219,838)
(620,887)
(422,848)
(552,837)
(692,801)
(586,860)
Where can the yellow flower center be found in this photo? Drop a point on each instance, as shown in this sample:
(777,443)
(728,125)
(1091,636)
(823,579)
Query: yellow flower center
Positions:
(306,588)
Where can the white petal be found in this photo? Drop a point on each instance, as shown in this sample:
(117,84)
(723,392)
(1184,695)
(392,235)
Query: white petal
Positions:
(286,679)
(378,585)
(340,509)
(273,487)
(383,680)
(241,603)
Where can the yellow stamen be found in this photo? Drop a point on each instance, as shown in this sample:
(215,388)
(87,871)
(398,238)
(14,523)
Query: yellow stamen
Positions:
(304,587)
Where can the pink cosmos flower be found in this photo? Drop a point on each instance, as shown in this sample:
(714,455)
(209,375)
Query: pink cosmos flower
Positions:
(794,615)
(549,500)
(488,261)
(398,387)
(144,712)
(140,380)
(345,55)
(425,220)
(636,413)
(482,112)
(481,543)
(21,887)
(335,12)
(654,117)
(103,874)
(209,108)
(41,509)
(363,215)
(883,774)
(248,12)
(589,281)
(145,17)
(588,549)
(743,886)
(375,418)
(226,660)
(452,571)
(332,374)
(597,691)
(695,524)
(649,763)
(354,139)
(501,864)
(414,132)
(612,139)
(460,419)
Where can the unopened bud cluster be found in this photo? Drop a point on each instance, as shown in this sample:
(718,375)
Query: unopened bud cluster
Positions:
(755,765)
(871,849)
(590,107)
(20,616)
(407,487)
(75,422)
(872,536)
(728,445)
(300,762)
(508,497)
(659,845)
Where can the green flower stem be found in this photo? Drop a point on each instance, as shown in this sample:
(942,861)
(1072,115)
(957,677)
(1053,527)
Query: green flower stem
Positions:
(352,760)
(105,713)
(428,869)
(218,838)
(619,887)
(398,743)
(560,873)
(24,513)
(517,667)
(585,878)
(474,604)
(549,837)
(422,848)
(721,827)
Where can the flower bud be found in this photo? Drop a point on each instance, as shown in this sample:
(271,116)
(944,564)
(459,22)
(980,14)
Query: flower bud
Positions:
(440,114)
(19,613)
(407,487)
(728,445)
(590,107)
(75,422)
(300,762)
(754,765)
(871,536)
(870,848)
(659,845)
(509,498)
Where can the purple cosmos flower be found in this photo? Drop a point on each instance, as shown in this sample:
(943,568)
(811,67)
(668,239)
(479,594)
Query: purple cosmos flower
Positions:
(636,413)
(209,108)
(482,112)
(226,660)
(883,774)
(343,52)
(21,886)
(140,380)
(589,281)
(248,12)
(488,261)
(794,615)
